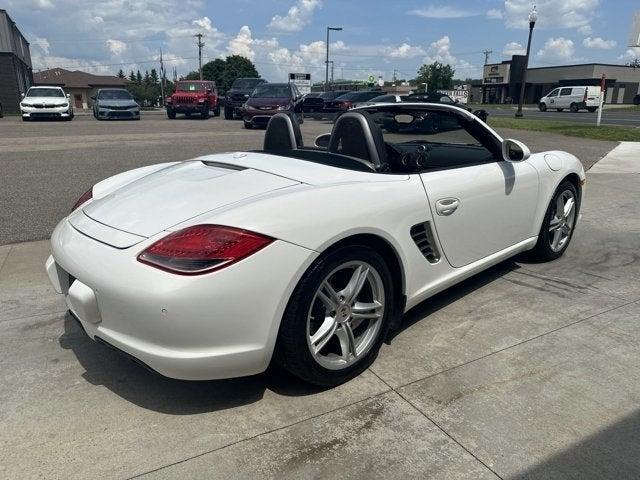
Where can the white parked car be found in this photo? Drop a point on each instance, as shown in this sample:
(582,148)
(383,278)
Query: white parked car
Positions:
(572,98)
(215,267)
(46,102)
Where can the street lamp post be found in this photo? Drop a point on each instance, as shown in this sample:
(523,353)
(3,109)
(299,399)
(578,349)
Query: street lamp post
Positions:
(326,75)
(533,16)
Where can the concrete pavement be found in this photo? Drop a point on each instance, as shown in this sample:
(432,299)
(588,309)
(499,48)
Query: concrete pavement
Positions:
(525,371)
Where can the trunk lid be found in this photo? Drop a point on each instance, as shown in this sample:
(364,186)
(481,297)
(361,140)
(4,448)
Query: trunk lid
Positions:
(172,195)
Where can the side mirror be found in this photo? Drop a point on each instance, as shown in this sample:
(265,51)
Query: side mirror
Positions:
(22,95)
(514,151)
(322,141)
(93,98)
(68,96)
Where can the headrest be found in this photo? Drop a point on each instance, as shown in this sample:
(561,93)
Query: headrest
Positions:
(357,135)
(283,133)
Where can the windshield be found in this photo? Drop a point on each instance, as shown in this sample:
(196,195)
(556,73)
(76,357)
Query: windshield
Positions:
(114,95)
(271,91)
(245,83)
(191,87)
(45,92)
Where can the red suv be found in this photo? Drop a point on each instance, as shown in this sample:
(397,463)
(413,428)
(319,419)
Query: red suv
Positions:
(194,96)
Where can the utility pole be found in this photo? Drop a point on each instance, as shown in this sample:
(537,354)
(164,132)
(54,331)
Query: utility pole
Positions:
(394,75)
(533,16)
(200,45)
(162,78)
(326,63)
(175,75)
(486,55)
(332,72)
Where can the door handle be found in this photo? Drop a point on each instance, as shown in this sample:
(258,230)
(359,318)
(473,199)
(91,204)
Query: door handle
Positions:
(446,206)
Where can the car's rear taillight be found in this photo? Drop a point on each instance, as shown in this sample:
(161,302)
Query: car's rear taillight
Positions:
(202,249)
(584,99)
(86,196)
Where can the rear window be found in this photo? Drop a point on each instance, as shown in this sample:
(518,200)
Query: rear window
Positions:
(114,95)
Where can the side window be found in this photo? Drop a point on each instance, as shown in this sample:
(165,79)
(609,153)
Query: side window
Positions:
(565,91)
(553,93)
(445,99)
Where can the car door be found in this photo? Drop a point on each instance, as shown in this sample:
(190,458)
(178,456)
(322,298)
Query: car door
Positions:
(480,203)
(553,98)
(564,99)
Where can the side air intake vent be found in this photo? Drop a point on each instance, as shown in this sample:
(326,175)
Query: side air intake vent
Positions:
(422,234)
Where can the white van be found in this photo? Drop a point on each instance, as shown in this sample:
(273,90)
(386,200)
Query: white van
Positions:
(573,98)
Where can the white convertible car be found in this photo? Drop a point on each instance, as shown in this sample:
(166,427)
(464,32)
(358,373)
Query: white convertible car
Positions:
(305,256)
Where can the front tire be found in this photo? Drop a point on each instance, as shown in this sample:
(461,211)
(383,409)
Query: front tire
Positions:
(171,114)
(337,317)
(558,224)
(205,112)
(248,125)
(542,107)
(216,111)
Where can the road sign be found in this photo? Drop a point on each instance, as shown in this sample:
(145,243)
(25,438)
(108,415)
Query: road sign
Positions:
(302,81)
(371,79)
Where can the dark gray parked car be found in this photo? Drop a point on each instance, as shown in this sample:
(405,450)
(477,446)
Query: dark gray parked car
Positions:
(110,103)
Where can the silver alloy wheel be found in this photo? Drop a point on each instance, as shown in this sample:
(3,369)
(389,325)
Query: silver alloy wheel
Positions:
(562,220)
(345,315)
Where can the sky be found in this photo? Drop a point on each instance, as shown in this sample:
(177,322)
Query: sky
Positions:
(379,37)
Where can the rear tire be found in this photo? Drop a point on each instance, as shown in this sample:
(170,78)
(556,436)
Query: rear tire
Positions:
(329,359)
(592,109)
(548,247)
(542,107)
(574,108)
(228,113)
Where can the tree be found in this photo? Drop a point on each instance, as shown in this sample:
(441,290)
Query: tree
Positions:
(120,74)
(147,79)
(138,78)
(132,77)
(153,77)
(436,75)
(224,72)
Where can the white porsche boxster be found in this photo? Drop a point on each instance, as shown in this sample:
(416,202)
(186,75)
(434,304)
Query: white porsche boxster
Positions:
(305,256)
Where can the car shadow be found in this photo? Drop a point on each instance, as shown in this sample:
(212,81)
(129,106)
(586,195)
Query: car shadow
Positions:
(452,294)
(150,390)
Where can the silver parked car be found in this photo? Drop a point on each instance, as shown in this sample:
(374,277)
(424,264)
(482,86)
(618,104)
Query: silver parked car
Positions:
(113,103)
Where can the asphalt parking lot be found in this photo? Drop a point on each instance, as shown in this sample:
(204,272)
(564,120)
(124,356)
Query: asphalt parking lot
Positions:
(524,371)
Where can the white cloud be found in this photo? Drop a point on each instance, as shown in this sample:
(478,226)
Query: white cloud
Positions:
(41,43)
(440,51)
(403,51)
(631,54)
(495,14)
(442,11)
(116,47)
(296,18)
(241,44)
(571,14)
(599,43)
(557,49)
(513,48)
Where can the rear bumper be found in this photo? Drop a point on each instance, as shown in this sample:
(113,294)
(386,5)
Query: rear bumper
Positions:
(218,325)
